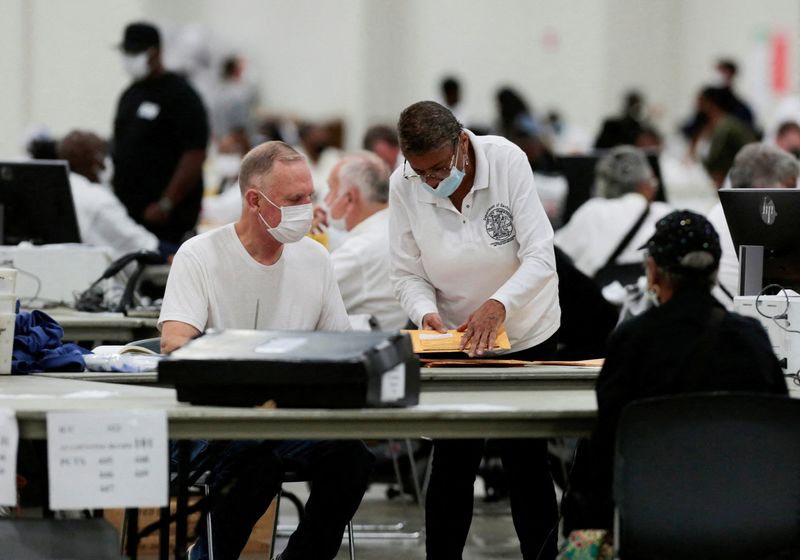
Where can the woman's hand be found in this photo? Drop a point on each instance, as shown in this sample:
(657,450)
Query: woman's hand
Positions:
(433,322)
(480,330)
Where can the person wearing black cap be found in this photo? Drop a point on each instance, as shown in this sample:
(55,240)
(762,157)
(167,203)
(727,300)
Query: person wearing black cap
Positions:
(688,343)
(160,136)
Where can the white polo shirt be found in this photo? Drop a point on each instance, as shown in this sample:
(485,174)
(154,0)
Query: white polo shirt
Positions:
(361,267)
(500,246)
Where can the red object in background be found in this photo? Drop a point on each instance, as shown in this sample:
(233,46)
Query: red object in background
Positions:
(780,62)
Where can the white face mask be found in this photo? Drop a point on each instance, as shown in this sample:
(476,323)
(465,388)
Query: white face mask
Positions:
(295,221)
(106,175)
(340,223)
(135,65)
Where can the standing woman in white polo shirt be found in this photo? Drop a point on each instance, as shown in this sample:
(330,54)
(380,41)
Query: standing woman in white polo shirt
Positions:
(471,248)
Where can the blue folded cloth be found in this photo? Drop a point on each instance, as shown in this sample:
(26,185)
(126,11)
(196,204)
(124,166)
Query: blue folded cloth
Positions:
(38,346)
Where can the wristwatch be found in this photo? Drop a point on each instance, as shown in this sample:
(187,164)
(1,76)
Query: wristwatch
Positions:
(165,205)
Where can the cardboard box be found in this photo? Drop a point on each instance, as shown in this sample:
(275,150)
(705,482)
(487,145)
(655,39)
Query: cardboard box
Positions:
(260,539)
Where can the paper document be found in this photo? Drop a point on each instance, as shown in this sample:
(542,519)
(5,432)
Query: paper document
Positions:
(9,439)
(433,341)
(107,459)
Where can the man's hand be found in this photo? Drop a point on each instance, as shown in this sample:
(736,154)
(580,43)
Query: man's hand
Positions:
(480,330)
(433,322)
(154,214)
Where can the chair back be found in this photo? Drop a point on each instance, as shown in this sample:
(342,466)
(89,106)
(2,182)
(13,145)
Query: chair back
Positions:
(708,476)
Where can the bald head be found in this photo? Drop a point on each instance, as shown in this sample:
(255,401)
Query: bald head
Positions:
(85,152)
(259,162)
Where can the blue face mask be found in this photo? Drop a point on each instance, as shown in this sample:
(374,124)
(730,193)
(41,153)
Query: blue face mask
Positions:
(446,186)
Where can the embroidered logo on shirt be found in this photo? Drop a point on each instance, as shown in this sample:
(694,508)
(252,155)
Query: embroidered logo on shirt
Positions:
(499,224)
(148,110)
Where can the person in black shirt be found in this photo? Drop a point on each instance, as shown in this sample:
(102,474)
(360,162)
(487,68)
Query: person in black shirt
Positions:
(160,136)
(687,344)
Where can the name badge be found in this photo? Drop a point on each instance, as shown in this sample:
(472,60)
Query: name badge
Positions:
(148,110)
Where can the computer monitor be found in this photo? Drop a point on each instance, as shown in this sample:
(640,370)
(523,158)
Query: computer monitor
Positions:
(769,218)
(578,170)
(36,203)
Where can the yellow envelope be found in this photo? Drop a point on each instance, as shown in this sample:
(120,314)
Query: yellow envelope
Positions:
(433,341)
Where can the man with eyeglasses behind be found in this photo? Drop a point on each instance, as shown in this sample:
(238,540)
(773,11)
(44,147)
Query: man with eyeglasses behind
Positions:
(472,249)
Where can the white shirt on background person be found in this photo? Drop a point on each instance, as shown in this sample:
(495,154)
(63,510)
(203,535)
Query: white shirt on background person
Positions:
(103,220)
(598,226)
(361,267)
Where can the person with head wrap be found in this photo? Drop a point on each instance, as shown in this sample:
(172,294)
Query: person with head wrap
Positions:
(687,343)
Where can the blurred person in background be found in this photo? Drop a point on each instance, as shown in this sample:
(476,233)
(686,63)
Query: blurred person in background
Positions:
(382,140)
(451,97)
(624,207)
(358,202)
(788,137)
(315,146)
(756,166)
(234,104)
(514,116)
(624,129)
(102,219)
(160,138)
(725,133)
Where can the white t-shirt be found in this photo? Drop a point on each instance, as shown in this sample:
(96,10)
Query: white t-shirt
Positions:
(728,275)
(500,246)
(215,283)
(598,226)
(103,220)
(361,266)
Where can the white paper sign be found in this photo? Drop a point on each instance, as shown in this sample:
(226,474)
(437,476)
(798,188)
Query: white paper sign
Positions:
(9,439)
(107,459)
(393,384)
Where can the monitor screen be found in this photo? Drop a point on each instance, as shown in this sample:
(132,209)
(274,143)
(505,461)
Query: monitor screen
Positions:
(36,203)
(769,218)
(579,173)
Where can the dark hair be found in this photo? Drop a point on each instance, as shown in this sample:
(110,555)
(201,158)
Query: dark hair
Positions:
(426,126)
(719,96)
(788,126)
(380,132)
(728,65)
(229,66)
(511,105)
(450,85)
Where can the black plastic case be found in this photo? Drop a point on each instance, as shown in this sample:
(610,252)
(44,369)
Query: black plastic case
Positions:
(295,369)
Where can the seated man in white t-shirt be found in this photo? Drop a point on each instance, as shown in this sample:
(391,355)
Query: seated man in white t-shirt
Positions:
(756,166)
(102,219)
(263,272)
(358,203)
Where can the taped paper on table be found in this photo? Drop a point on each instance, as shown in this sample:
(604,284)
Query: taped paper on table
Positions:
(107,459)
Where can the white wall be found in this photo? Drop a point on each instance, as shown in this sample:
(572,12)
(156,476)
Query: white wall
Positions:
(365,60)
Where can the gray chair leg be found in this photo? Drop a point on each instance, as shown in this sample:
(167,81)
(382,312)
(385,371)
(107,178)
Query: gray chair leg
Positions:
(351,540)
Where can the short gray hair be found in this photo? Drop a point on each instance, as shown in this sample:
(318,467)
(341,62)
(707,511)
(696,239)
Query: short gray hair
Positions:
(426,126)
(621,171)
(258,162)
(368,173)
(759,165)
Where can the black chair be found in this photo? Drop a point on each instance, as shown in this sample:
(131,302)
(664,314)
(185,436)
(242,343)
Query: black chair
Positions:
(708,476)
